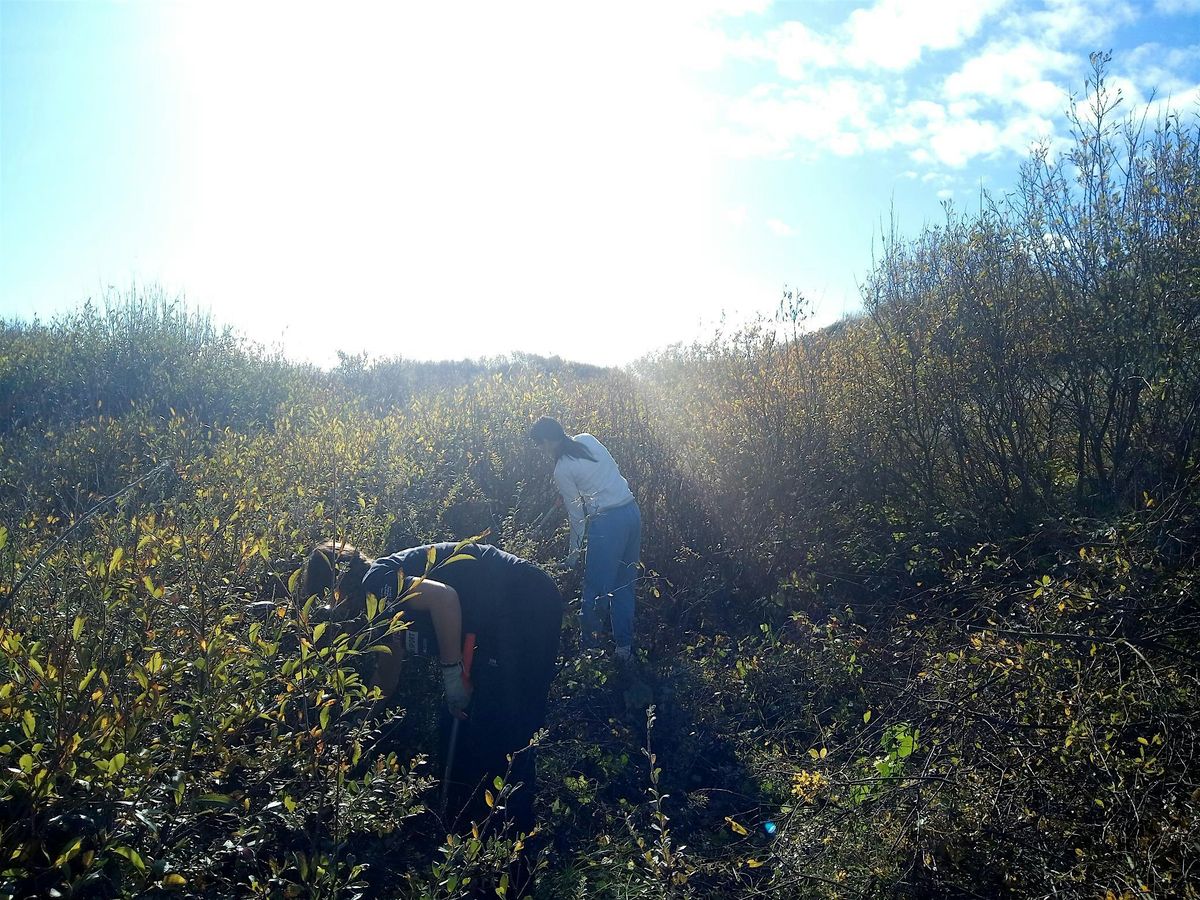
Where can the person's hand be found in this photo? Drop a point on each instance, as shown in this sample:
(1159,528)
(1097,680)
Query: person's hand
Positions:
(457,695)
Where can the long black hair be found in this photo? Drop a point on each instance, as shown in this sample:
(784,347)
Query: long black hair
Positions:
(338,567)
(548,429)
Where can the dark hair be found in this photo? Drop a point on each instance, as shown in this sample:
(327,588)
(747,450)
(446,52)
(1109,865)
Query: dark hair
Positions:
(338,567)
(548,429)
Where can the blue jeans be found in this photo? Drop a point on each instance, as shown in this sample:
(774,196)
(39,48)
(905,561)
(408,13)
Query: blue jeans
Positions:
(614,543)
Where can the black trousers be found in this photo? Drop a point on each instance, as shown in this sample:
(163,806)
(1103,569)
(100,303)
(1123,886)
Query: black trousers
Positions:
(514,663)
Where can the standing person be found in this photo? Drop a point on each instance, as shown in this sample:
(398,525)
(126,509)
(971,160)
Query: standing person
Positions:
(605,522)
(513,609)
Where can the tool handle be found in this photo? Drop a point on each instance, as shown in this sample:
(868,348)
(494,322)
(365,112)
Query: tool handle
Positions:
(468,657)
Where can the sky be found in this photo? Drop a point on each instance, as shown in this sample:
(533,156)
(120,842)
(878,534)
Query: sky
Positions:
(444,181)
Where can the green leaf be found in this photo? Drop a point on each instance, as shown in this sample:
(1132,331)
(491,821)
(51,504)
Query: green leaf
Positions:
(77,628)
(133,856)
(318,631)
(867,716)
(430,558)
(67,855)
(117,763)
(294,582)
(117,556)
(215,800)
(3,537)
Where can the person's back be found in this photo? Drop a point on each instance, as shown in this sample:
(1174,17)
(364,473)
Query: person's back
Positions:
(598,483)
(480,573)
(514,610)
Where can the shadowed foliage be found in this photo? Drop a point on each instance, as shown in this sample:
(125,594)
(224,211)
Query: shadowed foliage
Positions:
(917,612)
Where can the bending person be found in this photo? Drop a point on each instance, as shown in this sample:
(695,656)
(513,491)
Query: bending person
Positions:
(514,610)
(605,523)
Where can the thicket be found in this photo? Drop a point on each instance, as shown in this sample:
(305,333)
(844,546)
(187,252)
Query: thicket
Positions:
(918,609)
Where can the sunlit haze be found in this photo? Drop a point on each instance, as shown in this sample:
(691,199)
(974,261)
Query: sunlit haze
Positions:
(459,180)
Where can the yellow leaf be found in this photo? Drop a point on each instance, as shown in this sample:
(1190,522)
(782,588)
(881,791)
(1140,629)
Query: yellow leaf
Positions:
(491,801)
(753,863)
(737,827)
(174,880)
(867,716)
(69,854)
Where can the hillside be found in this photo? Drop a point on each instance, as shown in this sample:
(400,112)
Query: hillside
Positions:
(918,616)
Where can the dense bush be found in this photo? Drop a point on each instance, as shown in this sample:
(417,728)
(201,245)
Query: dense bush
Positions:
(917,611)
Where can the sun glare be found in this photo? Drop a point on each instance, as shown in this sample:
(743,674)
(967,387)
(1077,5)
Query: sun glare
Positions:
(430,182)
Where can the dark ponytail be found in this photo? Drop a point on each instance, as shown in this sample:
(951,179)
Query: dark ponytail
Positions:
(575,450)
(337,567)
(548,429)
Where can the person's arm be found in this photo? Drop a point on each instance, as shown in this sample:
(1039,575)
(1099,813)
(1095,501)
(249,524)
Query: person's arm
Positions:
(442,604)
(573,500)
(445,611)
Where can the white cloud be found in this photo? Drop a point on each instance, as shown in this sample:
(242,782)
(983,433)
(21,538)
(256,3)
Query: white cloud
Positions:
(956,143)
(1000,96)
(1020,133)
(961,109)
(797,51)
(776,122)
(738,216)
(1079,22)
(780,228)
(1158,68)
(1011,73)
(729,7)
(892,34)
(945,194)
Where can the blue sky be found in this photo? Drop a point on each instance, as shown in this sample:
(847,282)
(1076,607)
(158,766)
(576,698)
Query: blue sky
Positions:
(458,180)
